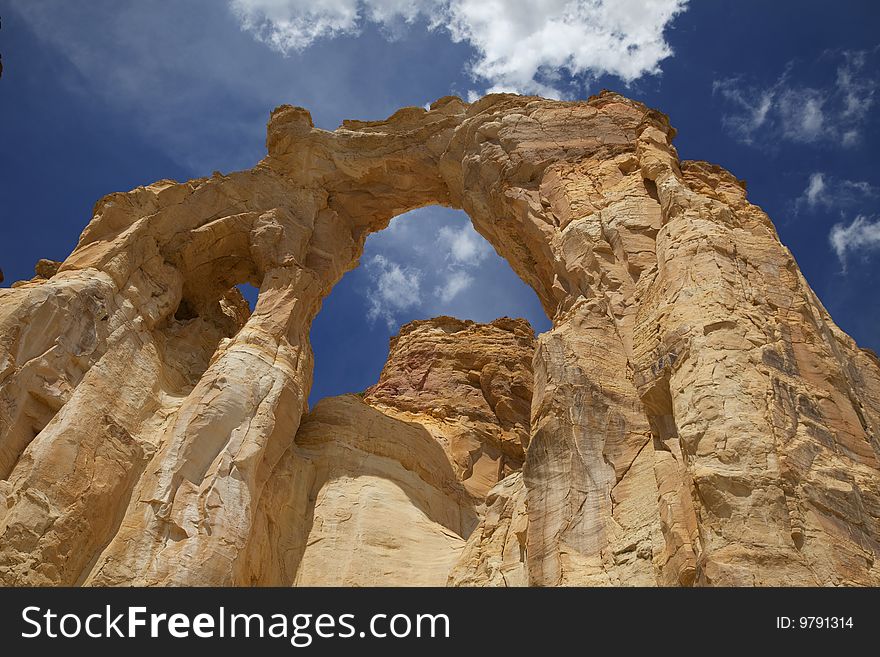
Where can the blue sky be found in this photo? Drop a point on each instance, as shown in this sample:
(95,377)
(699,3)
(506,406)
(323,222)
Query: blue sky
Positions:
(104,95)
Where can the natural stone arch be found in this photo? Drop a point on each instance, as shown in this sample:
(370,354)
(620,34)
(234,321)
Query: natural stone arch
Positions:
(638,259)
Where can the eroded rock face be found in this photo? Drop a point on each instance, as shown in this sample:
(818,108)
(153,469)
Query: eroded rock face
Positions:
(360,499)
(386,488)
(696,416)
(470,386)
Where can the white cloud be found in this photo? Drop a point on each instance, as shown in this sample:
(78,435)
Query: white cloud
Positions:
(857,91)
(294,25)
(393,290)
(288,25)
(828,192)
(477,287)
(521,44)
(813,194)
(803,114)
(430,261)
(400,272)
(860,236)
(796,112)
(861,187)
(464,246)
(456,282)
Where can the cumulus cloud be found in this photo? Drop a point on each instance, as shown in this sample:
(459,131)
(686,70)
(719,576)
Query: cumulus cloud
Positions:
(862,235)
(393,289)
(520,46)
(788,110)
(824,191)
(288,25)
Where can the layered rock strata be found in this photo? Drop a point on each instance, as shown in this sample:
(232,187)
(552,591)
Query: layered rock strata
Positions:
(697,418)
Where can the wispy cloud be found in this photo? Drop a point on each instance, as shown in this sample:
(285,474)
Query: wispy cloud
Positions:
(788,110)
(182,74)
(394,289)
(396,285)
(463,250)
(827,192)
(463,246)
(431,262)
(185,76)
(519,48)
(814,194)
(858,91)
(861,236)
(456,282)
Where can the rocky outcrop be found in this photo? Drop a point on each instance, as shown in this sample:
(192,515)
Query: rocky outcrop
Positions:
(495,552)
(360,499)
(44,269)
(384,489)
(696,416)
(470,386)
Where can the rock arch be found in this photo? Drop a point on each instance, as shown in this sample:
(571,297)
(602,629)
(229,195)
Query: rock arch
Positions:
(696,413)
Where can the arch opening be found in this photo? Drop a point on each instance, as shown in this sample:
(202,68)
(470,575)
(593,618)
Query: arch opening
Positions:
(420,330)
(250,293)
(427,263)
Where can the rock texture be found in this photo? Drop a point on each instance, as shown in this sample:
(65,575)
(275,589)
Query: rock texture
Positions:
(385,490)
(361,499)
(696,416)
(470,386)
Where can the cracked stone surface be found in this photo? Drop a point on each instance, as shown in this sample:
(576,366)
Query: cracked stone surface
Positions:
(693,416)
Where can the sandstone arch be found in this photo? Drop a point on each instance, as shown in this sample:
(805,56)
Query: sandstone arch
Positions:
(697,416)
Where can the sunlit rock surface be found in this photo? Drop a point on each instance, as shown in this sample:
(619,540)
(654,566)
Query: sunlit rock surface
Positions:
(695,416)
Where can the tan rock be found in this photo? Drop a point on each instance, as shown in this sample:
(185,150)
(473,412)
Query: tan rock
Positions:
(385,490)
(495,552)
(696,416)
(361,499)
(46,268)
(470,386)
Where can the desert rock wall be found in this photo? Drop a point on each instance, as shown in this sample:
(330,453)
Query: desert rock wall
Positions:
(696,417)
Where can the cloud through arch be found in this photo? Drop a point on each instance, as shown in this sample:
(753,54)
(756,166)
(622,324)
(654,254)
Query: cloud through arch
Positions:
(432,262)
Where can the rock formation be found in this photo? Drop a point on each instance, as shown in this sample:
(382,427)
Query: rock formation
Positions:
(696,417)
(470,385)
(385,490)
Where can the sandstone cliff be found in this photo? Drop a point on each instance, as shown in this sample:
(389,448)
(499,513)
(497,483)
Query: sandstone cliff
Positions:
(386,489)
(696,417)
